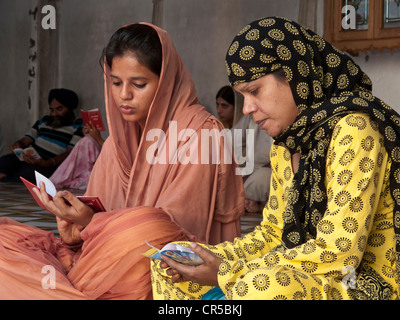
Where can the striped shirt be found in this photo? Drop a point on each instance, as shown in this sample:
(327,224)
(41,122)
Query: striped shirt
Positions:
(49,141)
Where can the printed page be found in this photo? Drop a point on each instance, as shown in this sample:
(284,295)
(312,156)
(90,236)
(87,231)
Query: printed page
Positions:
(176,252)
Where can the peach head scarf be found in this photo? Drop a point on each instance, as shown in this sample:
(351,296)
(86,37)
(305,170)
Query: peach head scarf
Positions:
(205,200)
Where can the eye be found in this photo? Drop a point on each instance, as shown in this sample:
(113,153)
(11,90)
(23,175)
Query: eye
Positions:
(140,86)
(116,83)
(254,92)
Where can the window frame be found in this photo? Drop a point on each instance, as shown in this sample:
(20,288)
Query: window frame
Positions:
(353,41)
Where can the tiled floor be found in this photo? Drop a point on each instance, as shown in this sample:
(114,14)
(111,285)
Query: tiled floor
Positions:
(17,203)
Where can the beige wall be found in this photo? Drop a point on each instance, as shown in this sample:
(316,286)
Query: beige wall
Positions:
(384,70)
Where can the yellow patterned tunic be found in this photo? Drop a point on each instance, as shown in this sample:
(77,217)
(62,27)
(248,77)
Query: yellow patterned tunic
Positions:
(354,245)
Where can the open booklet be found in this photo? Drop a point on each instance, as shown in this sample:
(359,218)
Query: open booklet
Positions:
(93,202)
(30,151)
(176,252)
(93,116)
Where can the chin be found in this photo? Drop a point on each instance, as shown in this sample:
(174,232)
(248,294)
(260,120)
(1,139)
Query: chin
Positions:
(272,132)
(130,118)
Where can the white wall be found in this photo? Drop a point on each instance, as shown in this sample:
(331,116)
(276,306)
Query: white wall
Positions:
(384,70)
(14,54)
(203,30)
(86,27)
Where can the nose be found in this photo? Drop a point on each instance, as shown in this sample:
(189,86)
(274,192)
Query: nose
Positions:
(220,111)
(125,93)
(55,113)
(248,107)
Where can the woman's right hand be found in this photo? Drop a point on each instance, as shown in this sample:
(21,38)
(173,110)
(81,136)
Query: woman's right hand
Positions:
(72,214)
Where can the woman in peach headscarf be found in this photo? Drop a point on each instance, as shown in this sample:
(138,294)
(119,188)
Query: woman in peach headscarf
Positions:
(149,93)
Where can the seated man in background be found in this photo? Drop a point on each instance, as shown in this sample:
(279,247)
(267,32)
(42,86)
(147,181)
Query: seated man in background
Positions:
(52,136)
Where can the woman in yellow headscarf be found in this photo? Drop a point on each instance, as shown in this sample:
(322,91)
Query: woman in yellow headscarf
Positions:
(331,227)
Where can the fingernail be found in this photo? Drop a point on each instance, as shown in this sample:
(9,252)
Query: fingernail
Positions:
(193,245)
(65,194)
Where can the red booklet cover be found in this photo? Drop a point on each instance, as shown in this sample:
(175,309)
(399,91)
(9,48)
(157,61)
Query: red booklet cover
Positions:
(93,202)
(93,116)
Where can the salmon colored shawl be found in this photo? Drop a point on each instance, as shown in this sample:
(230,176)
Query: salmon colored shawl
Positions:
(205,200)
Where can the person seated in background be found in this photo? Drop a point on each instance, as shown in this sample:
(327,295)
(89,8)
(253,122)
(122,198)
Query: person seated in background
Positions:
(52,136)
(75,170)
(229,111)
(257,182)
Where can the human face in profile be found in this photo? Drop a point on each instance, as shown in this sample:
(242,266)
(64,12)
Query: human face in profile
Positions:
(270,101)
(133,87)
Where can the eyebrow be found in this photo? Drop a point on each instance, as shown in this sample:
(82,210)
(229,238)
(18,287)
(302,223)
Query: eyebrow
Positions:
(131,78)
(244,88)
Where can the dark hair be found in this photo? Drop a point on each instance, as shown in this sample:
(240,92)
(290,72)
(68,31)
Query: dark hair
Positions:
(227,94)
(141,40)
(280,74)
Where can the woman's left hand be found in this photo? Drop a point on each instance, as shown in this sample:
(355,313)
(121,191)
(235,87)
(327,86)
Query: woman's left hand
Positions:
(204,274)
(66,206)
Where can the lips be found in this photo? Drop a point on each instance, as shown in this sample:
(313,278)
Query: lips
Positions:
(127,109)
(261,123)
